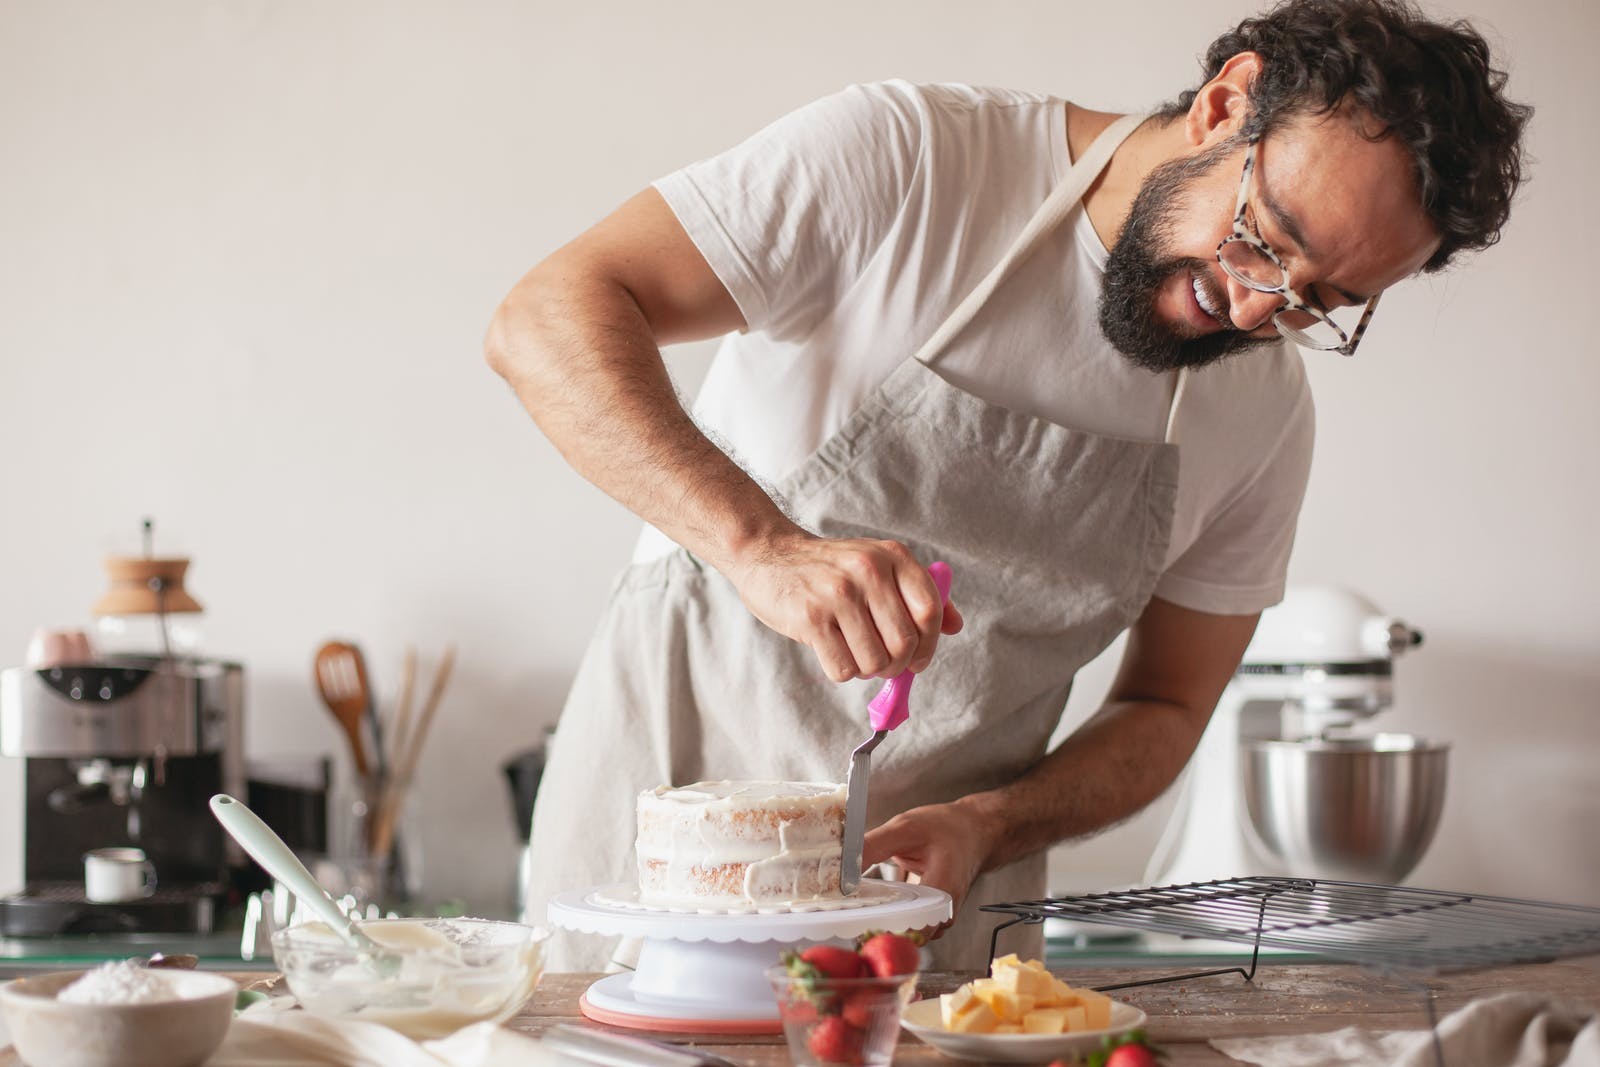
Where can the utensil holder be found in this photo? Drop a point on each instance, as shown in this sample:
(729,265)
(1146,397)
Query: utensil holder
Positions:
(391,881)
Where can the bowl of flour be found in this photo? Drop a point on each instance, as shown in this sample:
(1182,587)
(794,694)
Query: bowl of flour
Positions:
(118,1015)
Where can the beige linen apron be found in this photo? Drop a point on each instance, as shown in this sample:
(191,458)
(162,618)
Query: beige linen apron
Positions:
(1056,538)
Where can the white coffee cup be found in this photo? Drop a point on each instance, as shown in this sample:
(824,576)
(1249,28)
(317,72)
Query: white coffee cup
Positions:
(111,875)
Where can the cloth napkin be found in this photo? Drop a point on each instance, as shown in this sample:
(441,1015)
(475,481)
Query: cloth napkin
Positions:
(272,1035)
(1505,1030)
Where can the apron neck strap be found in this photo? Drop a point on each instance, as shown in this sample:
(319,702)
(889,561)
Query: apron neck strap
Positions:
(1061,202)
(1181,380)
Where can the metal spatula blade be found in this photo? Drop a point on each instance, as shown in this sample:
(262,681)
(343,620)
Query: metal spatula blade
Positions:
(888,709)
(855,811)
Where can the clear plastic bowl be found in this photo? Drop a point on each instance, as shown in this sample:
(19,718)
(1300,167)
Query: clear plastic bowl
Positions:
(449,973)
(841,1022)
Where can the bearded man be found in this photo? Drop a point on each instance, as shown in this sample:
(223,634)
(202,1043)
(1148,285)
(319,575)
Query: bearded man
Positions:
(981,326)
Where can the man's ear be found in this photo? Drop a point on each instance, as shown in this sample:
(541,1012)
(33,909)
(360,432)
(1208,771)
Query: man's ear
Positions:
(1222,104)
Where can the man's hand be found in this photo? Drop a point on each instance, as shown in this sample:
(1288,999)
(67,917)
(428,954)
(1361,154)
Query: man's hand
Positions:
(866,608)
(1176,664)
(941,845)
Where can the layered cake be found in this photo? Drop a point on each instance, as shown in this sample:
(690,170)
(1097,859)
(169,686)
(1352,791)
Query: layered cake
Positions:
(733,844)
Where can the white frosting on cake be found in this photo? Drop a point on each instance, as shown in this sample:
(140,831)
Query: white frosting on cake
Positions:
(724,843)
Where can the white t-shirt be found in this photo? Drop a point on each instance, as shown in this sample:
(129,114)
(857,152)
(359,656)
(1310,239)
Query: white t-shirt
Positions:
(847,231)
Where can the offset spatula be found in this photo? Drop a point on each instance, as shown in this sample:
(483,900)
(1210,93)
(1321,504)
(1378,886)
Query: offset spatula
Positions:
(890,708)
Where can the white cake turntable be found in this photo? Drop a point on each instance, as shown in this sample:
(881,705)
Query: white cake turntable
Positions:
(705,971)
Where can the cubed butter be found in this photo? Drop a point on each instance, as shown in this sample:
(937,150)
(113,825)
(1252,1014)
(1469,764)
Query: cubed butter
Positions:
(980,1019)
(1063,995)
(1011,1007)
(1026,979)
(957,1003)
(1097,1007)
(1045,1021)
(1024,994)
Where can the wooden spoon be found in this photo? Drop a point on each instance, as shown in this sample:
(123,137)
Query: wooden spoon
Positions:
(405,763)
(342,681)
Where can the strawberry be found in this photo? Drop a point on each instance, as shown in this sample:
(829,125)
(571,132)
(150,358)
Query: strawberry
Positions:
(818,965)
(833,962)
(861,1006)
(1126,1050)
(835,1041)
(1132,1056)
(888,955)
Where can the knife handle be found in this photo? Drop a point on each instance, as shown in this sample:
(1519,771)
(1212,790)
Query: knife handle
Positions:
(892,705)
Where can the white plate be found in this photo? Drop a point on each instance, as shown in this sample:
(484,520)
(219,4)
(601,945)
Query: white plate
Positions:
(922,1019)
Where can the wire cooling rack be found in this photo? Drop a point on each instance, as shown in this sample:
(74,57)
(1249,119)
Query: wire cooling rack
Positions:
(1408,933)
(1392,928)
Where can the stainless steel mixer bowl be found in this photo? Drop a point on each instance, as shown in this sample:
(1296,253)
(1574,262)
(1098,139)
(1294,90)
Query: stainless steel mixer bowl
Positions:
(1361,809)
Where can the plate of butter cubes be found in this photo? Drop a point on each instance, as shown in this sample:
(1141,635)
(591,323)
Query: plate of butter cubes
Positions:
(1021,1013)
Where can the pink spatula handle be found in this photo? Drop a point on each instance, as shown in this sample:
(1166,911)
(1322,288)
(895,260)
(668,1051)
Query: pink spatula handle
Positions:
(892,705)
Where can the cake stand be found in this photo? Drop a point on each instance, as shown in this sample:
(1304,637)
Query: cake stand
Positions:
(705,971)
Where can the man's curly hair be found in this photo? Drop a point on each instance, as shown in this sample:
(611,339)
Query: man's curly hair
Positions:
(1431,85)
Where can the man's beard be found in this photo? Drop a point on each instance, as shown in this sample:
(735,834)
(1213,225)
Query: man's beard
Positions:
(1137,267)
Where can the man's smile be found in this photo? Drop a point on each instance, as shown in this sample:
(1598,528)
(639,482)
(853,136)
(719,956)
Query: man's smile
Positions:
(1211,304)
(1192,306)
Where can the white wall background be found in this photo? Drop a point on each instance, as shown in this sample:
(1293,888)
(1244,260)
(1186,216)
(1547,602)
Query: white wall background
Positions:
(248,251)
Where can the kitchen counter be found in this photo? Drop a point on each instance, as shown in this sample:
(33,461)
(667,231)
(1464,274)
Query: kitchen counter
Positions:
(218,951)
(1284,998)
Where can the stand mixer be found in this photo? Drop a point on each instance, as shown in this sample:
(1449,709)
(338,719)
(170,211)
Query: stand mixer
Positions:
(1287,779)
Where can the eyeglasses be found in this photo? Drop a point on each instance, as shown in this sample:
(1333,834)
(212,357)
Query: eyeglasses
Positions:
(1249,261)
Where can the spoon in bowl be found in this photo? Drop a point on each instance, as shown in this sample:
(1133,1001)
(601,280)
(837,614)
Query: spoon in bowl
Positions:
(276,858)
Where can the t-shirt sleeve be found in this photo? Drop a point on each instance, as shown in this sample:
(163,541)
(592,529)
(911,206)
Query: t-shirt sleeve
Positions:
(1240,562)
(788,219)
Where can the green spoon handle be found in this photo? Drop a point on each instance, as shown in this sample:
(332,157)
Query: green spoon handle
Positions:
(276,858)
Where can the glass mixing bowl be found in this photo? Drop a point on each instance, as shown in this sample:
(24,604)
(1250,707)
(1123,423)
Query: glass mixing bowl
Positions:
(450,973)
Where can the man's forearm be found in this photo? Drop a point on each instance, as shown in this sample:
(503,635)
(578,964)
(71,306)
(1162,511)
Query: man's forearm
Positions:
(579,341)
(582,359)
(1115,764)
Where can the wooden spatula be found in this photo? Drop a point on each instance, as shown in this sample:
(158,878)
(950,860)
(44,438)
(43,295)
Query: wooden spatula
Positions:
(342,681)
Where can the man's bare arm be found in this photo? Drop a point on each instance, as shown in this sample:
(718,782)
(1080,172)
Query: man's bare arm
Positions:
(579,341)
(1174,669)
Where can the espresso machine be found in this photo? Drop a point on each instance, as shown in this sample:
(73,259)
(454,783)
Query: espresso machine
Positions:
(125,750)
(1290,777)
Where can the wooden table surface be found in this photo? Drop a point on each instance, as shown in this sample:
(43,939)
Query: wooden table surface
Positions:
(1183,1016)
(1283,999)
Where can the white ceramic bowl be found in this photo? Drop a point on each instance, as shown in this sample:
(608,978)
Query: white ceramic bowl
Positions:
(449,973)
(922,1019)
(180,1032)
